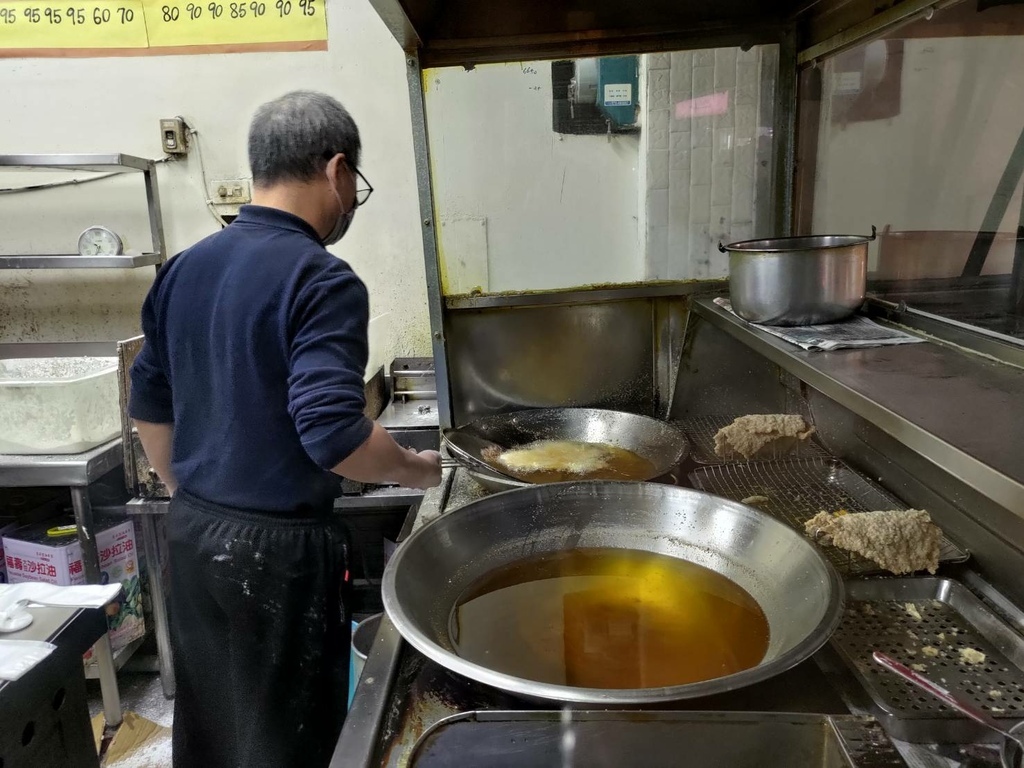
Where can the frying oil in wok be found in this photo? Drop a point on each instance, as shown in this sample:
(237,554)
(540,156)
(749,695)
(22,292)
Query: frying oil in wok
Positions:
(609,618)
(556,461)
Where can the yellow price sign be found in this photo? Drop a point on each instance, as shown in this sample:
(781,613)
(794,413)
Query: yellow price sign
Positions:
(174,23)
(71,24)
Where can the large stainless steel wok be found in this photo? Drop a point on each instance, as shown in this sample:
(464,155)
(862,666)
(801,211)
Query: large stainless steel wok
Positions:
(798,590)
(662,444)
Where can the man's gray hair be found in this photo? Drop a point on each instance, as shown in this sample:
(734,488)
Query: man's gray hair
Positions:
(292,137)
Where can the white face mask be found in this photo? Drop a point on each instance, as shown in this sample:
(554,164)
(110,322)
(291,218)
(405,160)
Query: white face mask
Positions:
(342,224)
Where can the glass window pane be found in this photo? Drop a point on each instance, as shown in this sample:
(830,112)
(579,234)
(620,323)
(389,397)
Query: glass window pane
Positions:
(922,134)
(550,175)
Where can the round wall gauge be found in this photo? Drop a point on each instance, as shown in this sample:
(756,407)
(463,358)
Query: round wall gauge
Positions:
(100,241)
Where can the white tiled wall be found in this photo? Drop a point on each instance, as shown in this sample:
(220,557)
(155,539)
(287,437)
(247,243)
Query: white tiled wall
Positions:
(701,170)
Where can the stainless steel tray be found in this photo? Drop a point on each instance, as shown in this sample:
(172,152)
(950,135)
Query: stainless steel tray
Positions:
(902,617)
(512,739)
(796,490)
(701,431)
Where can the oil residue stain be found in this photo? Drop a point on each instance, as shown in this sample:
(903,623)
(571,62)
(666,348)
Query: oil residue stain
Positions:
(556,461)
(609,618)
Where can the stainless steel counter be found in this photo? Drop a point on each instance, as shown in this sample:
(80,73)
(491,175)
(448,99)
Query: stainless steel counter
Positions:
(75,470)
(402,694)
(411,414)
(960,410)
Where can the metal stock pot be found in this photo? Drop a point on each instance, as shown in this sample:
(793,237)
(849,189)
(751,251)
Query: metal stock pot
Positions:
(798,280)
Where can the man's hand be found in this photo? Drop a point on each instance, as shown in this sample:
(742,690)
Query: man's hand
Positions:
(381,460)
(157,440)
(426,470)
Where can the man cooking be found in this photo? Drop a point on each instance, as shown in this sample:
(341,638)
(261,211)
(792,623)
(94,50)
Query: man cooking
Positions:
(248,399)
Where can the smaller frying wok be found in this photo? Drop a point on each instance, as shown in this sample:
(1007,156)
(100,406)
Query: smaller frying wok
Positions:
(658,442)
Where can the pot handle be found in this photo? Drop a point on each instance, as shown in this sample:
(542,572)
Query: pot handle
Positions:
(874,233)
(722,248)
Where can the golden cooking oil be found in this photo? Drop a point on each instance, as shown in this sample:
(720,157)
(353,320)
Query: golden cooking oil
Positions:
(609,618)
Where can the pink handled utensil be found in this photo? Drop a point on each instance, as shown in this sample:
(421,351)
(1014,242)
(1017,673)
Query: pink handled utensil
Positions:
(947,698)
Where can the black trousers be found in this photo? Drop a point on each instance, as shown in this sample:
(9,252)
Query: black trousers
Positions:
(260,640)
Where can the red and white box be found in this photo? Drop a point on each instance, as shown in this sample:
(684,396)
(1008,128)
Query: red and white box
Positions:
(33,554)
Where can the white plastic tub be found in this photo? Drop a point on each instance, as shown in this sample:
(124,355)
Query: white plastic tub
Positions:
(58,404)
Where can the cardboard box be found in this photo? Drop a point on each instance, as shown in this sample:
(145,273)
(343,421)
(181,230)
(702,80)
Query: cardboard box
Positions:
(32,554)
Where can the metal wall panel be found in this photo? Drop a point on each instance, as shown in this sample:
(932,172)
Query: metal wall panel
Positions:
(507,359)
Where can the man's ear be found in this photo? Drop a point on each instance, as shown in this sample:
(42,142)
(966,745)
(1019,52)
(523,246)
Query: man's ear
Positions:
(334,166)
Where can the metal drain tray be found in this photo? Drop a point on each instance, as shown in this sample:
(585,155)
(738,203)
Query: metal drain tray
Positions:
(883,615)
(701,431)
(499,739)
(797,489)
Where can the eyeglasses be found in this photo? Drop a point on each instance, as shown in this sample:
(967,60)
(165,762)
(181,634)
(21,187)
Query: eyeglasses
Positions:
(362,193)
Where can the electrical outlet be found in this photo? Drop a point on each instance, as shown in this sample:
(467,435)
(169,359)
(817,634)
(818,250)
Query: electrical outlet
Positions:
(174,135)
(230,192)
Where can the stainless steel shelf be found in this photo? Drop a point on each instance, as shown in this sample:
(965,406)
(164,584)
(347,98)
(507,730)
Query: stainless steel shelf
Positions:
(97,163)
(100,163)
(75,470)
(76,261)
(959,410)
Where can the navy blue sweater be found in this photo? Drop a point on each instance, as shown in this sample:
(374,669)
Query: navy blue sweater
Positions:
(256,346)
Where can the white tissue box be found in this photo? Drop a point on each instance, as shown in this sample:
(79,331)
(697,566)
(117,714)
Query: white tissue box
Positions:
(30,554)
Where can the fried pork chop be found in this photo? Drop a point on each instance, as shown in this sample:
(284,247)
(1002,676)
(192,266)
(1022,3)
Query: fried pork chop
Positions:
(900,541)
(572,456)
(762,436)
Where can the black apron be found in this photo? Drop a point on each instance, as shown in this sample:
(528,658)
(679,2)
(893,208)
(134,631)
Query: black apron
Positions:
(259,635)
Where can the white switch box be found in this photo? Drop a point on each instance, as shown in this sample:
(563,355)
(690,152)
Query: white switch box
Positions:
(230,192)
